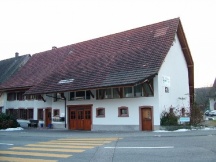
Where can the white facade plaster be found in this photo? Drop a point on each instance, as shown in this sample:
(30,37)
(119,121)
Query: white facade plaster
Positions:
(175,67)
(212,102)
(2,101)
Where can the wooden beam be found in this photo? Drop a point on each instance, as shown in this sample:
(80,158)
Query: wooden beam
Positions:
(91,94)
(43,98)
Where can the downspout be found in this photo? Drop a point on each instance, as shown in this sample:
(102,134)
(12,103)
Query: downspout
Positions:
(65,110)
(62,96)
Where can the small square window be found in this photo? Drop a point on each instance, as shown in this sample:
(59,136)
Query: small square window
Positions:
(100,112)
(56,112)
(123,112)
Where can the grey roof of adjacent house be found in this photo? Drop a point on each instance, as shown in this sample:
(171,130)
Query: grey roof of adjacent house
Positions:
(10,66)
(124,58)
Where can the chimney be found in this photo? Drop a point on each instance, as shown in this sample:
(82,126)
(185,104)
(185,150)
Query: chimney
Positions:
(54,47)
(16,54)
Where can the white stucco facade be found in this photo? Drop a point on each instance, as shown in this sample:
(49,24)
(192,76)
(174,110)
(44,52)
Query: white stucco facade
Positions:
(212,103)
(175,69)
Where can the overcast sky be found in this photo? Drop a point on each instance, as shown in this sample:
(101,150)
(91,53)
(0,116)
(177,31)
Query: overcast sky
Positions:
(32,26)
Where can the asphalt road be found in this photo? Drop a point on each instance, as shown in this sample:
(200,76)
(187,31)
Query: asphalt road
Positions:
(78,146)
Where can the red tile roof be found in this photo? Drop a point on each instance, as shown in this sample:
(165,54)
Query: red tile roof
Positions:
(119,59)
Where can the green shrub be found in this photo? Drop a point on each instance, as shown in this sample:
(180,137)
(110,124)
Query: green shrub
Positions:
(8,121)
(168,119)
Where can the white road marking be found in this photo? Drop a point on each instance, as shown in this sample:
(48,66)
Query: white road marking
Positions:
(6,144)
(163,147)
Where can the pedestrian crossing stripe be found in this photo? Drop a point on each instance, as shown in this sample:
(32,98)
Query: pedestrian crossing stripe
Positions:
(94,142)
(35,154)
(15,159)
(89,139)
(71,143)
(61,146)
(47,149)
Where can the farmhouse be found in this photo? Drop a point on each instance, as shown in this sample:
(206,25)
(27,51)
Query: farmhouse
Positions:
(8,68)
(121,81)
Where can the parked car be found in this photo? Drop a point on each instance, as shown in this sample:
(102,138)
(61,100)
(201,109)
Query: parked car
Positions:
(212,113)
(207,112)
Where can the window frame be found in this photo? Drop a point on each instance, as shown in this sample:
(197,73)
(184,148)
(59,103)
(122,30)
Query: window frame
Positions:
(125,94)
(87,95)
(39,110)
(98,115)
(30,97)
(120,114)
(28,113)
(11,96)
(20,96)
(58,112)
(22,113)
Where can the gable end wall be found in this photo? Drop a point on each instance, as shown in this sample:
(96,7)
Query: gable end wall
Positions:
(175,68)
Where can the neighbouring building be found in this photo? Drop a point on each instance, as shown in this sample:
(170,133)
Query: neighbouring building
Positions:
(121,81)
(8,68)
(212,97)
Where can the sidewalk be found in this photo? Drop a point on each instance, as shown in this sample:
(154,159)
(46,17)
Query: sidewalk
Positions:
(64,133)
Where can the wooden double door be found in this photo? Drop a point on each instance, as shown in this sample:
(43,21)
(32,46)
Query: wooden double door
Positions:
(80,117)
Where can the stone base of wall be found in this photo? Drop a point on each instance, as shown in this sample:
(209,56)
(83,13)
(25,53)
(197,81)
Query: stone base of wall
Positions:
(59,126)
(115,127)
(157,127)
(24,124)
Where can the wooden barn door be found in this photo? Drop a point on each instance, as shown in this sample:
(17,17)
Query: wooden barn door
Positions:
(146,119)
(80,117)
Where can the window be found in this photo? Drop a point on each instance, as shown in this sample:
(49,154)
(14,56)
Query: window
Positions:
(72,95)
(30,97)
(1,109)
(138,90)
(128,91)
(123,111)
(11,96)
(20,96)
(88,95)
(9,111)
(40,114)
(22,113)
(13,112)
(30,113)
(38,97)
(56,112)
(104,93)
(148,88)
(80,95)
(73,115)
(100,112)
(87,114)
(117,92)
